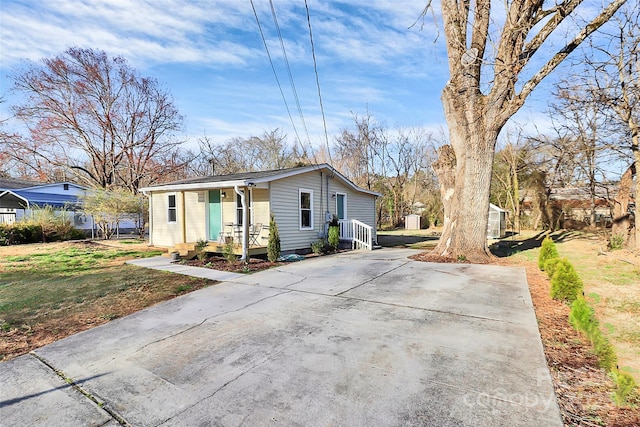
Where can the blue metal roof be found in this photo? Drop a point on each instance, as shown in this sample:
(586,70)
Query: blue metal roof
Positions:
(46,199)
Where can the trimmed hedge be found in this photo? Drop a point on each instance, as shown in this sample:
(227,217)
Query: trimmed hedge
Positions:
(20,233)
(550,266)
(547,251)
(565,283)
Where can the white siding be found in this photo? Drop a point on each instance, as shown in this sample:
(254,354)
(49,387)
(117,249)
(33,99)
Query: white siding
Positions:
(195,215)
(169,234)
(285,206)
(163,233)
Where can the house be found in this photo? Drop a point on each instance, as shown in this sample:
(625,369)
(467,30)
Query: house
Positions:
(18,197)
(571,207)
(237,208)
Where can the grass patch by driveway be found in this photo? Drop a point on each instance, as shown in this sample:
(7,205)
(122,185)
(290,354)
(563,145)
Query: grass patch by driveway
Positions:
(611,285)
(49,291)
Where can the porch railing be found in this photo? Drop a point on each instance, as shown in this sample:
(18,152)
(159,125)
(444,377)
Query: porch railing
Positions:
(358,233)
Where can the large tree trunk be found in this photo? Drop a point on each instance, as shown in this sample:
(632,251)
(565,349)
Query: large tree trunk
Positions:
(621,218)
(473,134)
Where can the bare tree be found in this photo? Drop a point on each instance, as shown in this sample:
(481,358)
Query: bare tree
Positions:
(615,69)
(511,170)
(483,92)
(357,152)
(577,118)
(97,118)
(271,151)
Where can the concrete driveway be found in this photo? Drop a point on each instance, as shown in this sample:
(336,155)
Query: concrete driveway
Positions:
(356,339)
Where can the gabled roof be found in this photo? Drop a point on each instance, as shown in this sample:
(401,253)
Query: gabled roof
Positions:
(14,183)
(52,184)
(245,179)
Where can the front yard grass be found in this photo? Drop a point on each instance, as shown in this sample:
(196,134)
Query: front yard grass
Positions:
(49,291)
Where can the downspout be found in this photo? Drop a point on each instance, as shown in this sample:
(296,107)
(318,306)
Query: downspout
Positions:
(326,216)
(150,218)
(322,196)
(245,254)
(183,218)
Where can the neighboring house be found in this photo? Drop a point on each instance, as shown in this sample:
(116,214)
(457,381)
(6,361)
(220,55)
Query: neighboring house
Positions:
(238,207)
(572,205)
(19,197)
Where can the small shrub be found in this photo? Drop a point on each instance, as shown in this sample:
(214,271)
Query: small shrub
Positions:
(616,241)
(625,385)
(602,347)
(334,237)
(20,233)
(582,317)
(565,283)
(228,254)
(547,251)
(200,245)
(317,247)
(550,266)
(273,246)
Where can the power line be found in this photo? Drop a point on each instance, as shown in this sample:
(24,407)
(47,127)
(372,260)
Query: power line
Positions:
(278,80)
(291,82)
(315,69)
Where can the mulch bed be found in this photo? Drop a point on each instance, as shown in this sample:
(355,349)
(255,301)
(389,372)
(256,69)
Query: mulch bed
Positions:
(583,388)
(221,264)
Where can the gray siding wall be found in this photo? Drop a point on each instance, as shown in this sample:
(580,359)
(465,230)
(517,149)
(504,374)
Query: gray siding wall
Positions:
(360,206)
(286,208)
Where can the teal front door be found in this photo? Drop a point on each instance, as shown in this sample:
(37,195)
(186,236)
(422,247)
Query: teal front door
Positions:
(215,215)
(341,207)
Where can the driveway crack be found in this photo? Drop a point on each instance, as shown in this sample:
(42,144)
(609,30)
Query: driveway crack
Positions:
(373,278)
(77,387)
(223,386)
(206,319)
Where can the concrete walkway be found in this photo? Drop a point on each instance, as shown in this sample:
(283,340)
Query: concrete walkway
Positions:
(359,339)
(163,263)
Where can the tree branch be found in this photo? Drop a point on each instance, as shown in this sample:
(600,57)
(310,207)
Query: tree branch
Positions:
(596,23)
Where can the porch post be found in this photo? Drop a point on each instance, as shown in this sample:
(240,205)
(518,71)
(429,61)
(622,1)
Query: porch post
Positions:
(245,225)
(183,217)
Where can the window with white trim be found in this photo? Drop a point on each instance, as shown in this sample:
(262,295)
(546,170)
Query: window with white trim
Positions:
(247,201)
(306,209)
(172,211)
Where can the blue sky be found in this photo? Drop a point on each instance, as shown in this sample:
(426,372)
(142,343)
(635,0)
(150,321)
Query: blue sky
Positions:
(210,56)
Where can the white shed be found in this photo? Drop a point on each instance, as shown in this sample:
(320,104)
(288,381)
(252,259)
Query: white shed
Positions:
(497,226)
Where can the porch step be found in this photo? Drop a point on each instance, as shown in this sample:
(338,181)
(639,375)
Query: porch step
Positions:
(186,250)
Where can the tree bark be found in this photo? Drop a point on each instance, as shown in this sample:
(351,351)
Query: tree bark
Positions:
(621,217)
(473,134)
(481,96)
